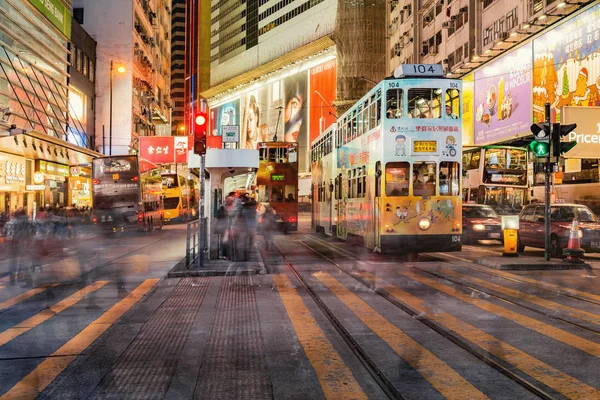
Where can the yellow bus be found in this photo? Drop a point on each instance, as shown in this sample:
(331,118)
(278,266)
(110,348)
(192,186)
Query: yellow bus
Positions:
(179,197)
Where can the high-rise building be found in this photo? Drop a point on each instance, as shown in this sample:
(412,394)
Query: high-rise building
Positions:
(43,142)
(133,69)
(294,65)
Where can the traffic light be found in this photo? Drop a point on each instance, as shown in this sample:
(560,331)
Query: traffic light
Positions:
(200,127)
(541,144)
(559,147)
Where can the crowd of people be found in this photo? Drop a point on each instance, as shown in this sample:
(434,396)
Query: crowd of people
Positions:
(238,221)
(31,239)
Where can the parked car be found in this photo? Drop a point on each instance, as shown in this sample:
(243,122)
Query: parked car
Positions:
(531,227)
(480,222)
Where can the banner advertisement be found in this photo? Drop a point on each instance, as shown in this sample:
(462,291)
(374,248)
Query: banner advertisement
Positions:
(467,110)
(224,114)
(322,96)
(502,97)
(567,65)
(261,114)
(164,149)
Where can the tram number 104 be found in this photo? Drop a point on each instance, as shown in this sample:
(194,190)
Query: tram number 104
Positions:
(425,70)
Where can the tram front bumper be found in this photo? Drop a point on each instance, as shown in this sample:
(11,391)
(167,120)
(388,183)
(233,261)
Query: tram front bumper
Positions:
(402,244)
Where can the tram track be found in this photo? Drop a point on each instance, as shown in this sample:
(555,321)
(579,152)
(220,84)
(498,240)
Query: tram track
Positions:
(478,352)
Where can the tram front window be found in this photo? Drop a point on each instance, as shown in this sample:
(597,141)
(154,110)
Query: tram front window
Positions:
(424,176)
(505,200)
(396,178)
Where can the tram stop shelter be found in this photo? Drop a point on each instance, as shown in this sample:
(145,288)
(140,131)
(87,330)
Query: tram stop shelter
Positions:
(228,170)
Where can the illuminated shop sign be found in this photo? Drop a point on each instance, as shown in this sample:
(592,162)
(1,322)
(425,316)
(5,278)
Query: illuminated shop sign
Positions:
(54,169)
(12,170)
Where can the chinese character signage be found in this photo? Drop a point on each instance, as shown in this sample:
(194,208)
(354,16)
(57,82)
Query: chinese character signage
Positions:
(164,149)
(567,65)
(502,97)
(12,172)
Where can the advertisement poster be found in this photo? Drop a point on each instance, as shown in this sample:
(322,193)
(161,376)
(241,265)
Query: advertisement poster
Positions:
(158,149)
(224,114)
(322,94)
(502,97)
(567,65)
(261,109)
(180,144)
(294,113)
(467,110)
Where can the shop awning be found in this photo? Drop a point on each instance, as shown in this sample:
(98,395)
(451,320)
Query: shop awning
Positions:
(587,150)
(39,146)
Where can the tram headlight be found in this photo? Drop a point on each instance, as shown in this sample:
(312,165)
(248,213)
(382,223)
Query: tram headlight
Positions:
(479,227)
(424,223)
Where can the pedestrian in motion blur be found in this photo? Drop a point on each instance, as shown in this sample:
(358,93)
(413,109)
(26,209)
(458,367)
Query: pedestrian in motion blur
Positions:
(18,233)
(268,224)
(249,213)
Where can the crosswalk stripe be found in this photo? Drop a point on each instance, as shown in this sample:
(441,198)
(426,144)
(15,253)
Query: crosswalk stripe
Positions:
(560,335)
(542,372)
(334,375)
(24,296)
(37,380)
(545,285)
(46,314)
(549,304)
(439,374)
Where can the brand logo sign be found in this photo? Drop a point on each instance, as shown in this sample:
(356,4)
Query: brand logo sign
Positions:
(583,137)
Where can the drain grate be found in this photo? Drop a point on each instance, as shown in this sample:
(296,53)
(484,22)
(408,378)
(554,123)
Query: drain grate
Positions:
(145,369)
(234,365)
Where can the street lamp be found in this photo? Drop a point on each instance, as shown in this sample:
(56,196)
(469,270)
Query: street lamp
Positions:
(120,69)
(181,128)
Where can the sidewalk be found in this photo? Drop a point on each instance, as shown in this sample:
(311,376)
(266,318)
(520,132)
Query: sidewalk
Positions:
(253,266)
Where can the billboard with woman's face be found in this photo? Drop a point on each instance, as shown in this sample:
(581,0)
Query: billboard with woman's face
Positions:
(261,115)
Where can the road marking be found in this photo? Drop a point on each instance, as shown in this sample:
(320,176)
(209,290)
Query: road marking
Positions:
(37,380)
(480,250)
(545,285)
(334,375)
(443,255)
(544,373)
(46,314)
(530,323)
(439,374)
(24,296)
(548,304)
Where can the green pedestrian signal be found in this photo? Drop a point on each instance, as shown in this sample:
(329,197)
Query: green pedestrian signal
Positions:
(540,149)
(541,144)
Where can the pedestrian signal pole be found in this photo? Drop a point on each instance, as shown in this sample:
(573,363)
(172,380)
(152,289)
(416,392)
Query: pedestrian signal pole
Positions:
(200,127)
(541,148)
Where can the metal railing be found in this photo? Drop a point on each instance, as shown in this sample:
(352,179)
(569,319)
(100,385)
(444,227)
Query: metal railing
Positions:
(193,243)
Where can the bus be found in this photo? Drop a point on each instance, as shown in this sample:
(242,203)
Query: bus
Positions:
(277,181)
(496,176)
(179,196)
(394,161)
(127,194)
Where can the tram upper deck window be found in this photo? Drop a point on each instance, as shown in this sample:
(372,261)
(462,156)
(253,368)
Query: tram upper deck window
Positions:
(453,103)
(424,178)
(275,155)
(424,103)
(396,178)
(394,104)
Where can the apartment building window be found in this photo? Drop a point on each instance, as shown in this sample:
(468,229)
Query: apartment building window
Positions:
(439,7)
(84,70)
(79,60)
(535,6)
(511,19)
(438,38)
(487,3)
(92,69)
(487,35)
(498,28)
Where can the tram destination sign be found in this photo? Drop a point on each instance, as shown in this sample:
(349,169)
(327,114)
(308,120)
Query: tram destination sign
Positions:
(419,70)
(425,146)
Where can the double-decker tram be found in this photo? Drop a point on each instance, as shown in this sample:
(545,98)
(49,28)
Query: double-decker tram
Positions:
(496,176)
(127,193)
(396,165)
(322,158)
(277,181)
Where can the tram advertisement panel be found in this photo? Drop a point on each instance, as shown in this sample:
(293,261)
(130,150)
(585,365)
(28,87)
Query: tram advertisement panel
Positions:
(503,97)
(421,167)
(567,65)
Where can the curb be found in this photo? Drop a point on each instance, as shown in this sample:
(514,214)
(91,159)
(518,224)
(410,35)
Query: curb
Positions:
(514,264)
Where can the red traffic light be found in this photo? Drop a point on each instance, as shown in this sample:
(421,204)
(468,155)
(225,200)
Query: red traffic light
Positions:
(201,119)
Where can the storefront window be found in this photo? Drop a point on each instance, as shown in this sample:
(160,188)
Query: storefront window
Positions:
(396,178)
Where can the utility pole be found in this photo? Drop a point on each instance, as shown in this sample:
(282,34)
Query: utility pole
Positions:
(547,190)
